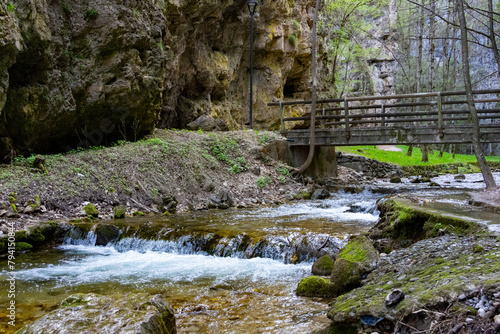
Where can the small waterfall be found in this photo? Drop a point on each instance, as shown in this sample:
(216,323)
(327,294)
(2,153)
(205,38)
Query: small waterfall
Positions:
(364,207)
(78,236)
(292,248)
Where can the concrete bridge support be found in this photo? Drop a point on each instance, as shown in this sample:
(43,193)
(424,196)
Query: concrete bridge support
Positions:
(324,163)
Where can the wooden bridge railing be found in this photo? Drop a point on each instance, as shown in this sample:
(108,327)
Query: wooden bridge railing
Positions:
(347,113)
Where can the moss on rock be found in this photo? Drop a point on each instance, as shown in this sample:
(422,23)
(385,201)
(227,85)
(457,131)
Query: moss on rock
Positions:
(346,275)
(23,246)
(360,250)
(90,210)
(119,211)
(106,233)
(323,266)
(401,219)
(314,286)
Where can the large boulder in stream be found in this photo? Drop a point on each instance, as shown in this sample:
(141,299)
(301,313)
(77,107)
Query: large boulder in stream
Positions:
(90,313)
(356,258)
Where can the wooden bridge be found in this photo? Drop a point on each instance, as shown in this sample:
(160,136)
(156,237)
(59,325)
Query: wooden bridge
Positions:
(422,118)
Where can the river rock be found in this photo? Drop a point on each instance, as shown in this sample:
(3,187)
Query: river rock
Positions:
(323,266)
(355,259)
(314,286)
(115,314)
(106,233)
(320,194)
(394,297)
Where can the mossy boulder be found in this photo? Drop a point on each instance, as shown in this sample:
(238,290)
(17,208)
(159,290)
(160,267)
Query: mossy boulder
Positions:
(346,275)
(314,286)
(401,219)
(323,266)
(23,246)
(360,250)
(44,234)
(356,258)
(90,210)
(120,211)
(90,313)
(106,233)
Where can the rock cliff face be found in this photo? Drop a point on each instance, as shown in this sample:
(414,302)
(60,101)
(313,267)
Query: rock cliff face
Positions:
(90,72)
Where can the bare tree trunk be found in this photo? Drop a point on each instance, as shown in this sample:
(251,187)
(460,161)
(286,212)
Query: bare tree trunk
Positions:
(420,45)
(425,153)
(478,148)
(441,151)
(410,151)
(492,35)
(312,133)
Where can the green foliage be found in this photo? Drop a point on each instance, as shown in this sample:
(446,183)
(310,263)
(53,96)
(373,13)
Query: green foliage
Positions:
(11,7)
(281,179)
(26,162)
(292,39)
(346,25)
(283,171)
(91,14)
(297,24)
(263,140)
(228,150)
(263,181)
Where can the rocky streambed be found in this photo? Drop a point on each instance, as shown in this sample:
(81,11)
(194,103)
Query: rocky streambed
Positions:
(238,269)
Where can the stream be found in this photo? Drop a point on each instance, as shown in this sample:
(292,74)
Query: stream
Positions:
(232,271)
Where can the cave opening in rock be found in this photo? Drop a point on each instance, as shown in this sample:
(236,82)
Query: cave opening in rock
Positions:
(290,88)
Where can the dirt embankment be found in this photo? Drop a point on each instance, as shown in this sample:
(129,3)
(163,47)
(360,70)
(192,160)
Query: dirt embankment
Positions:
(192,170)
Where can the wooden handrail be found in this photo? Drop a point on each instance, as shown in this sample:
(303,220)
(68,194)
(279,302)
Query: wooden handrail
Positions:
(386,97)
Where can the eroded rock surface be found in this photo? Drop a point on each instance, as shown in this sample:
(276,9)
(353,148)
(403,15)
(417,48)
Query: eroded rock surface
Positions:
(92,72)
(132,314)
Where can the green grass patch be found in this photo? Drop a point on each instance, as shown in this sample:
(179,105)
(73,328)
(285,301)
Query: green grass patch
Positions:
(400,158)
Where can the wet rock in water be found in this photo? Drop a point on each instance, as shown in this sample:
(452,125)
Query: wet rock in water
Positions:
(395,179)
(106,233)
(90,313)
(320,194)
(425,179)
(434,184)
(323,266)
(355,259)
(314,286)
(346,275)
(416,180)
(394,297)
(459,177)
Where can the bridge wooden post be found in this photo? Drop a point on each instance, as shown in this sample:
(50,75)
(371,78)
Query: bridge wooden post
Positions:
(382,122)
(282,115)
(440,115)
(346,114)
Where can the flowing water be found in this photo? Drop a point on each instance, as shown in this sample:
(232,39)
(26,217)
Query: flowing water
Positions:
(232,271)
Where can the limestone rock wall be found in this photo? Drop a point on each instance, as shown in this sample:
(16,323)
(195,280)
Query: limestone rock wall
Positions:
(91,72)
